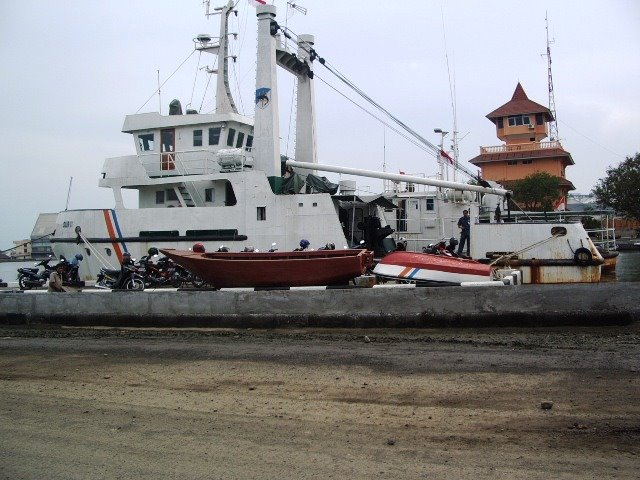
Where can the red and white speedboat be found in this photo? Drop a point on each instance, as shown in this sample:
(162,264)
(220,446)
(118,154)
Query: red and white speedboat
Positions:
(428,268)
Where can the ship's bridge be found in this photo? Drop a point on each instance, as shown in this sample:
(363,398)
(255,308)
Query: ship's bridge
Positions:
(176,144)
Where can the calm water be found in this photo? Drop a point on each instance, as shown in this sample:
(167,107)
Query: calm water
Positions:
(627,269)
(9,270)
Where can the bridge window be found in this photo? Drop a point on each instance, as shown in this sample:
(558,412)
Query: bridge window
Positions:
(146,142)
(249,141)
(230,137)
(240,140)
(159,197)
(262,213)
(516,120)
(197,138)
(214,135)
(209,195)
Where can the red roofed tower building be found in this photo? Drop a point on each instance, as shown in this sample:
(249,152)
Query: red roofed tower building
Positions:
(522,125)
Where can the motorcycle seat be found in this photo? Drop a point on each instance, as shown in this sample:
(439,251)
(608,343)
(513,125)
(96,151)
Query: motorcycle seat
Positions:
(29,269)
(110,272)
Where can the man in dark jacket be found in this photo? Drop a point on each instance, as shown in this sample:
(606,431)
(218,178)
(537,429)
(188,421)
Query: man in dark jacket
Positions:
(464,225)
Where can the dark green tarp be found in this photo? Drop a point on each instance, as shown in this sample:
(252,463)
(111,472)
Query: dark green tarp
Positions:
(292,184)
(316,184)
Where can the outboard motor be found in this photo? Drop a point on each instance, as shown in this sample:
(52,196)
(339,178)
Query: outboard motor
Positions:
(374,234)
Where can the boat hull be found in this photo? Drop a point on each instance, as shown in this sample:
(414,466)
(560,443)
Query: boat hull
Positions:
(427,268)
(610,261)
(274,269)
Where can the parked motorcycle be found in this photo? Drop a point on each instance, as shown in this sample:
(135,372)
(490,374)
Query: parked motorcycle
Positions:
(182,276)
(126,278)
(70,275)
(33,277)
(162,273)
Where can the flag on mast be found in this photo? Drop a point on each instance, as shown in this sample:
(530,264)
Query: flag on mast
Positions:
(447,156)
(255,3)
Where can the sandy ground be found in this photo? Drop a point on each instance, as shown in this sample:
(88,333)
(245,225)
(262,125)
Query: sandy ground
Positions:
(93,403)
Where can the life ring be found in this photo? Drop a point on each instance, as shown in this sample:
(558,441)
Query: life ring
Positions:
(583,256)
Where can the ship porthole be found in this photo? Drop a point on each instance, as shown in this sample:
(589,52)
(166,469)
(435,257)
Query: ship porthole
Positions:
(558,231)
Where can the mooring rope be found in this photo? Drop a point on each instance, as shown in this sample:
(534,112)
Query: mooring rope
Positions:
(103,260)
(511,254)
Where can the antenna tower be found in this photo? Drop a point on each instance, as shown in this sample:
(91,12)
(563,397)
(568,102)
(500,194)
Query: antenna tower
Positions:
(553,126)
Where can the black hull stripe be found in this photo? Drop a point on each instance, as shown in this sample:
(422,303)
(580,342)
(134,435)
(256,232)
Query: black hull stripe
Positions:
(182,238)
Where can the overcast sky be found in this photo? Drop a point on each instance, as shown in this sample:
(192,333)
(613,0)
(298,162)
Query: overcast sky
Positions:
(71,71)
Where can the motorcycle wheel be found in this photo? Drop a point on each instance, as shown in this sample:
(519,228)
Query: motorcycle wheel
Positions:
(23,282)
(134,284)
(176,281)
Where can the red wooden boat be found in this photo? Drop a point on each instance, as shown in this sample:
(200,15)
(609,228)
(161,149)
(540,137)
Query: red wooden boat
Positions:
(274,269)
(428,268)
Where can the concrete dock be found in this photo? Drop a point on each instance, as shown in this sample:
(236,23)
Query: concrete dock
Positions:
(397,307)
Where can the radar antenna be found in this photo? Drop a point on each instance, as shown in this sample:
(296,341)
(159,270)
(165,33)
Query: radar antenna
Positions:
(553,126)
(297,7)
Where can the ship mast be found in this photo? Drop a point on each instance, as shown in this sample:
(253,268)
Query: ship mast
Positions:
(553,126)
(205,43)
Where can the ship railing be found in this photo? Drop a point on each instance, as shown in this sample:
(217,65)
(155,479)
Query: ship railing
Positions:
(521,147)
(392,187)
(604,238)
(414,230)
(186,162)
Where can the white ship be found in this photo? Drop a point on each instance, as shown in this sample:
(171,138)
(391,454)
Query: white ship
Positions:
(219,179)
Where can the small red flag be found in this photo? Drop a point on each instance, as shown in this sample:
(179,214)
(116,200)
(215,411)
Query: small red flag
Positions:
(447,156)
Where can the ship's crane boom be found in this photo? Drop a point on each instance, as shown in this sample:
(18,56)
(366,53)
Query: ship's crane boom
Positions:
(398,177)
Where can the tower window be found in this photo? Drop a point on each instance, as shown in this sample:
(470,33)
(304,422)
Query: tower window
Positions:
(516,120)
(512,162)
(527,161)
(539,119)
(500,122)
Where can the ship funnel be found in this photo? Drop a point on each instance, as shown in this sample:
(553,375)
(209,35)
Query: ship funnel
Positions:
(175,107)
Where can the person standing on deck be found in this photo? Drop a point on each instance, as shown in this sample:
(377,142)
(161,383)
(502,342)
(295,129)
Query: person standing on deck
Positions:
(465,231)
